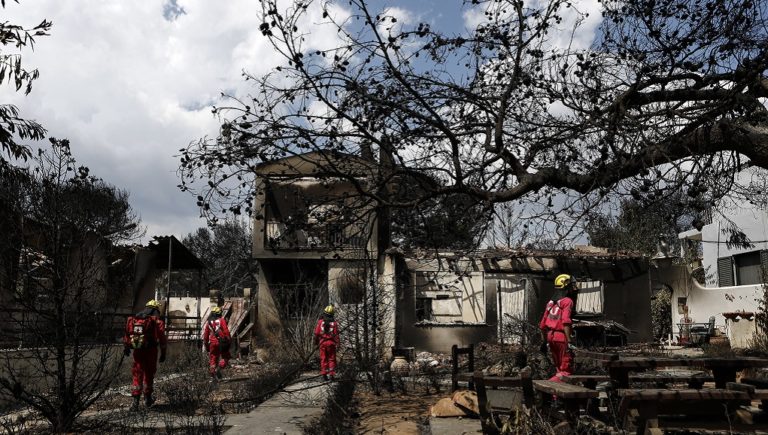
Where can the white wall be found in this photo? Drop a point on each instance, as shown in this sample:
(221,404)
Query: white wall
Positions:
(750,218)
(741,332)
(704,302)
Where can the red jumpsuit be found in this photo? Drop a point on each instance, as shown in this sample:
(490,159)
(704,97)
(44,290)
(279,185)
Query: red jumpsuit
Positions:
(145,358)
(556,316)
(327,336)
(214,332)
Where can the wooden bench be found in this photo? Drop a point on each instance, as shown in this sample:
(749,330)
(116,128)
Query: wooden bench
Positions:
(758,383)
(640,408)
(754,393)
(573,397)
(588,381)
(488,420)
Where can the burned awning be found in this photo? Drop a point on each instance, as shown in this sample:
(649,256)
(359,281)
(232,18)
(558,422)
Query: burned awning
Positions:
(170,248)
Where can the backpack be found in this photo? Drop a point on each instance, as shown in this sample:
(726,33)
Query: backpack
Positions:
(223,341)
(142,332)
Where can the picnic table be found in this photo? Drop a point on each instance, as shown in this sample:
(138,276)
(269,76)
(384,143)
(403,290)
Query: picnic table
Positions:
(694,380)
(723,369)
(640,408)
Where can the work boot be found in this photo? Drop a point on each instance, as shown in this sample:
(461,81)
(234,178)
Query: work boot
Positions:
(135,405)
(148,400)
(218,374)
(325,377)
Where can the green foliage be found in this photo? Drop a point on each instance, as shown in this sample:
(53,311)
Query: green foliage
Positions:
(640,226)
(760,339)
(12,71)
(661,313)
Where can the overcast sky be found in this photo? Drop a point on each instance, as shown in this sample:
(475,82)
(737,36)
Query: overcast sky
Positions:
(129,83)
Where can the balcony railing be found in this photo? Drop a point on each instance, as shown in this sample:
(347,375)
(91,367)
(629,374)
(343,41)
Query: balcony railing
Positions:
(278,235)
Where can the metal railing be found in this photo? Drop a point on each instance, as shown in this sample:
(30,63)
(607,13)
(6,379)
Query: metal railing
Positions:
(279,235)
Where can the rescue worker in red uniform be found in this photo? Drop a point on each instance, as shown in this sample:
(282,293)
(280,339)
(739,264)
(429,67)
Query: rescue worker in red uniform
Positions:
(216,339)
(144,334)
(555,326)
(327,337)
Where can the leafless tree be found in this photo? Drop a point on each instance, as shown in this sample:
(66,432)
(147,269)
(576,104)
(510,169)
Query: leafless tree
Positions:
(667,94)
(62,279)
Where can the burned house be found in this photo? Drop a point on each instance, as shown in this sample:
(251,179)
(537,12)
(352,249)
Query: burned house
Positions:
(444,300)
(314,236)
(116,281)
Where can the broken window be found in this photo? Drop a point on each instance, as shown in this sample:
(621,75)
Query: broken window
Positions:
(34,276)
(449,298)
(590,298)
(351,288)
(311,214)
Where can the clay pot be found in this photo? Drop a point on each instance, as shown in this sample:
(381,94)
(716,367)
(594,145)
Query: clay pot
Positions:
(400,366)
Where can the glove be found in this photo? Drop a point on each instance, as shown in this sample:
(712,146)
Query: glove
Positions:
(162,357)
(571,347)
(127,351)
(544,347)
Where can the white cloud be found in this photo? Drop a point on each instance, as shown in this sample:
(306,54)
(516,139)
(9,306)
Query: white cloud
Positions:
(130,83)
(564,36)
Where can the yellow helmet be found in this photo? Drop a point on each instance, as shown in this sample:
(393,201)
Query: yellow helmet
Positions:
(329,310)
(563,281)
(216,310)
(153,304)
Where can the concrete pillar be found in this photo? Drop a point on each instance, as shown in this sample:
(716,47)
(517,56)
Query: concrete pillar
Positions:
(268,323)
(259,218)
(388,288)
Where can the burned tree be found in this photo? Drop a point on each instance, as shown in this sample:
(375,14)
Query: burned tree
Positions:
(225,249)
(63,277)
(667,95)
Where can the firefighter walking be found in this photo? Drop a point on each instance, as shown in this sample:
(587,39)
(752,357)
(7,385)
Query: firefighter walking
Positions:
(327,338)
(144,335)
(555,326)
(216,339)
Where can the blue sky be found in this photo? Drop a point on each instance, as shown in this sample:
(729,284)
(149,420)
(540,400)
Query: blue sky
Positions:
(132,82)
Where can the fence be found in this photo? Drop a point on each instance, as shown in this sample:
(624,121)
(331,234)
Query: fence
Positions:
(24,328)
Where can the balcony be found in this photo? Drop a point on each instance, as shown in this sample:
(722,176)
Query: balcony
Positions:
(281,236)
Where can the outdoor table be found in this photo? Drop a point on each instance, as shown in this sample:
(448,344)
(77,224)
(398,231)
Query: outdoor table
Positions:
(723,369)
